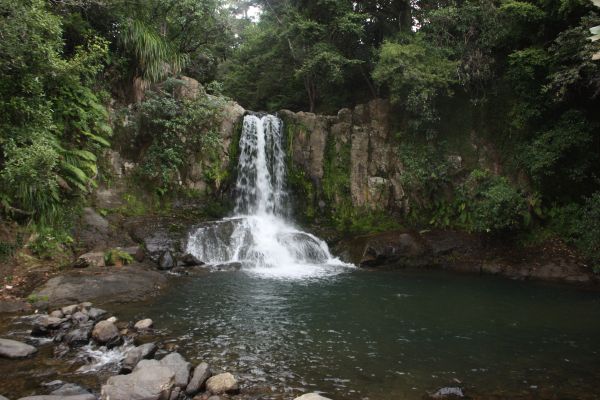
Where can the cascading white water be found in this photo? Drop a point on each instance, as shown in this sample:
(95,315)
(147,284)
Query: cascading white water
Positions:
(259,236)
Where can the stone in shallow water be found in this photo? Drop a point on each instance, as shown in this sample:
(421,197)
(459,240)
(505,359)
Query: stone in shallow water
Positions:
(143,324)
(448,393)
(179,366)
(106,332)
(79,336)
(135,355)
(96,313)
(44,324)
(69,389)
(311,396)
(201,374)
(222,383)
(68,310)
(13,349)
(149,381)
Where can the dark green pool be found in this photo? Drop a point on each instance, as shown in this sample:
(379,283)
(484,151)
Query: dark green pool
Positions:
(384,335)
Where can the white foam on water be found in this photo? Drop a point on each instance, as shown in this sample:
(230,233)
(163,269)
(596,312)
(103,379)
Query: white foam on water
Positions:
(259,236)
(101,358)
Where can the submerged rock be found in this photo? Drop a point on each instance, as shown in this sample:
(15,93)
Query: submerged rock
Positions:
(70,389)
(201,374)
(14,349)
(222,383)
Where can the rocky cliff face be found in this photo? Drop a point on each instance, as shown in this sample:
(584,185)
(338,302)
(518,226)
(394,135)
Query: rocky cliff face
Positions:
(351,154)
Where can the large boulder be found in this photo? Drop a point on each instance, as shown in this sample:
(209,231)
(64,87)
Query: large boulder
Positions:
(149,381)
(222,383)
(198,382)
(129,283)
(106,333)
(92,231)
(13,349)
(179,366)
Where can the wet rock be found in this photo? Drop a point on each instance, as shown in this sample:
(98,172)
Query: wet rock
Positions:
(92,259)
(448,393)
(69,389)
(198,382)
(68,310)
(311,396)
(179,366)
(144,324)
(189,260)
(106,333)
(14,349)
(44,324)
(96,313)
(61,350)
(149,381)
(61,397)
(395,247)
(79,336)
(79,317)
(128,283)
(222,383)
(232,266)
(137,354)
(166,261)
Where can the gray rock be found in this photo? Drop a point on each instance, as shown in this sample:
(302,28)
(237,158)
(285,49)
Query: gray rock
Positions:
(148,381)
(69,389)
(179,366)
(190,260)
(143,324)
(92,230)
(60,397)
(311,396)
(79,317)
(175,393)
(106,333)
(232,266)
(79,336)
(13,349)
(68,310)
(91,259)
(3,398)
(198,382)
(96,313)
(222,383)
(85,306)
(44,324)
(166,261)
(128,283)
(137,354)
(57,314)
(12,306)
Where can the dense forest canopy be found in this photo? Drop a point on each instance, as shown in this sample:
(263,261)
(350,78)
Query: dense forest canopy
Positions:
(520,73)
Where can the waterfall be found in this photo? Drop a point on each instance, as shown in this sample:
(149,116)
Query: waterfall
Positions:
(259,236)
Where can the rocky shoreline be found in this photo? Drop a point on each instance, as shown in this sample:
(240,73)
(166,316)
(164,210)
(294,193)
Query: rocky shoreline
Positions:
(146,368)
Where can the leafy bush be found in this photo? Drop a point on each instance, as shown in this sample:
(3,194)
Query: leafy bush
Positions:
(488,203)
(49,242)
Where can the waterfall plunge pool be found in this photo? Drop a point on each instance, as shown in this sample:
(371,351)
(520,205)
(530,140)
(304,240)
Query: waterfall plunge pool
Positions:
(386,335)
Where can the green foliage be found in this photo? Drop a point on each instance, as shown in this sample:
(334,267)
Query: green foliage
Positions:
(49,242)
(489,203)
(53,121)
(416,73)
(174,130)
(34,298)
(117,257)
